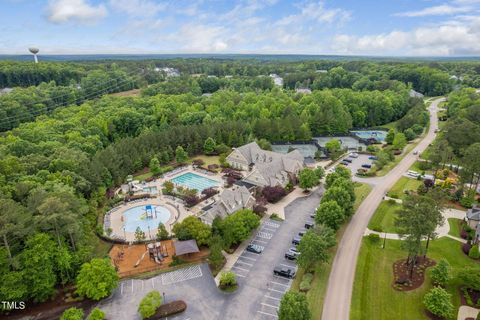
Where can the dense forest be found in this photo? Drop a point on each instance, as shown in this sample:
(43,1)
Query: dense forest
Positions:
(62,145)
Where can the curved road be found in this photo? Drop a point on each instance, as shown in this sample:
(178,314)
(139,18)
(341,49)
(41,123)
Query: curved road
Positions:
(340,283)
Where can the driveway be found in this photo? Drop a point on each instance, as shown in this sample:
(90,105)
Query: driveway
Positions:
(259,293)
(340,283)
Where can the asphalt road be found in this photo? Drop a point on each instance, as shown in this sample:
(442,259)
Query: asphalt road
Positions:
(259,293)
(340,283)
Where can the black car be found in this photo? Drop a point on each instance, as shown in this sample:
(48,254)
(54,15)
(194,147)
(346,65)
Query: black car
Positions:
(347,160)
(296,240)
(284,272)
(292,254)
(309,224)
(345,163)
(372,158)
(366,165)
(254,248)
(301,233)
(312,215)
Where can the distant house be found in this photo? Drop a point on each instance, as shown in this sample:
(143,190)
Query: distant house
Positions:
(170,72)
(473,220)
(415,94)
(5,91)
(321,71)
(277,80)
(228,202)
(303,90)
(266,168)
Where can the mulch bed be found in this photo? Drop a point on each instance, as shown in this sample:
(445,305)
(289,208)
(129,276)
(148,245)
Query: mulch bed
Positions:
(431,316)
(169,309)
(401,274)
(474,296)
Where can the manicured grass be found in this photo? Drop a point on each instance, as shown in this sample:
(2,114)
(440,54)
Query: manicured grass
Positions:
(417,167)
(361,192)
(143,176)
(403,184)
(316,294)
(389,166)
(207,159)
(373,296)
(383,220)
(454,227)
(101,248)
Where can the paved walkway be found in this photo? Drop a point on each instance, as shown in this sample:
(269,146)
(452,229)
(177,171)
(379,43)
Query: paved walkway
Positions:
(340,283)
(467,312)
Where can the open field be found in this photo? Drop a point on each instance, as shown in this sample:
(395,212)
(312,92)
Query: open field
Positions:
(403,184)
(373,296)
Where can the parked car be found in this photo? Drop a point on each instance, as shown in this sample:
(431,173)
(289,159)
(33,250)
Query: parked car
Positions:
(292,254)
(353,155)
(347,160)
(309,224)
(366,165)
(413,174)
(313,215)
(345,163)
(296,240)
(254,248)
(372,158)
(301,233)
(415,152)
(284,272)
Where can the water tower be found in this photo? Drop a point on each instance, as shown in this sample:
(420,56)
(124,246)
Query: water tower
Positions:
(34,51)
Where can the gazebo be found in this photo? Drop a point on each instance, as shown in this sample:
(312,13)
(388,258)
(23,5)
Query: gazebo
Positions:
(185,247)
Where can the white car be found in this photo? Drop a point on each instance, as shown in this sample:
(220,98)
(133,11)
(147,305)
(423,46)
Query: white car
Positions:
(353,155)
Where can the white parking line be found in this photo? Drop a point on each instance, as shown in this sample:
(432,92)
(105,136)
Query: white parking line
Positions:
(276,290)
(240,261)
(153,283)
(273,298)
(248,258)
(269,229)
(269,305)
(261,241)
(264,235)
(281,284)
(288,265)
(132,285)
(271,224)
(268,314)
(234,266)
(121,289)
(239,275)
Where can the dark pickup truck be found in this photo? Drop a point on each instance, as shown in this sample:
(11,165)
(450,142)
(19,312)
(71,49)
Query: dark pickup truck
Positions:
(284,272)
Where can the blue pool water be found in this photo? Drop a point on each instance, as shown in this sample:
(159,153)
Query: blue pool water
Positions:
(379,135)
(194,181)
(151,190)
(135,217)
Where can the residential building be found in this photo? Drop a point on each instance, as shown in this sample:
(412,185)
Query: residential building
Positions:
(5,91)
(266,168)
(303,90)
(277,80)
(415,94)
(228,202)
(473,220)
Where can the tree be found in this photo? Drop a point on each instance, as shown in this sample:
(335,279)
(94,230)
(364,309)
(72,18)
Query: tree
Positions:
(149,304)
(139,235)
(418,218)
(216,257)
(162,233)
(154,166)
(409,134)
(96,314)
(400,141)
(168,187)
(294,306)
(438,302)
(308,179)
(228,279)
(470,277)
(390,136)
(181,156)
(333,147)
(237,227)
(313,249)
(72,314)
(96,279)
(273,194)
(192,228)
(440,274)
(209,146)
(341,197)
(320,172)
(330,214)
(14,224)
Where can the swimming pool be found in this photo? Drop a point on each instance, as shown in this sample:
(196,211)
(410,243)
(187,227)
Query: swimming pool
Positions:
(136,217)
(194,181)
(378,135)
(151,190)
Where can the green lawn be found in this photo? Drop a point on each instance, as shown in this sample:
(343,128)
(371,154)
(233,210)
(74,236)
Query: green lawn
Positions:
(403,184)
(454,227)
(417,167)
(373,296)
(316,294)
(383,220)
(143,176)
(361,192)
(207,159)
(389,166)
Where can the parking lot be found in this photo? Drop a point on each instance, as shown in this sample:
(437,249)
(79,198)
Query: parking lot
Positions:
(358,162)
(259,292)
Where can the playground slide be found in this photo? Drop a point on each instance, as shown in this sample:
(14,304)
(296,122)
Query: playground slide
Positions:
(157,261)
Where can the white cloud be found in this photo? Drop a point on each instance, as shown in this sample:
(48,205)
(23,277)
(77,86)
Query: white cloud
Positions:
(440,10)
(315,12)
(138,8)
(201,38)
(61,11)
(451,38)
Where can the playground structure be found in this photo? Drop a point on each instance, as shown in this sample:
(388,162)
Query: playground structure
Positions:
(157,252)
(150,212)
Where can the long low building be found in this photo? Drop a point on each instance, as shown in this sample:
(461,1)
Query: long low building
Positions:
(266,168)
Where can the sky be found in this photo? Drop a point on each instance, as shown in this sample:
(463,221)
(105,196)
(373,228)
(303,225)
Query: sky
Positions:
(341,27)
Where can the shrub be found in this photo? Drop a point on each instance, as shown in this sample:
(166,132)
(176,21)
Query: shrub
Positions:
(96,314)
(149,304)
(273,194)
(440,273)
(376,227)
(374,238)
(466,248)
(466,202)
(259,209)
(228,280)
(96,279)
(72,314)
(463,234)
(209,192)
(438,302)
(474,253)
(306,282)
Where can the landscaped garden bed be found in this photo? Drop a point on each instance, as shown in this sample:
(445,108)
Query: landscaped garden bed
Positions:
(404,279)
(169,309)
